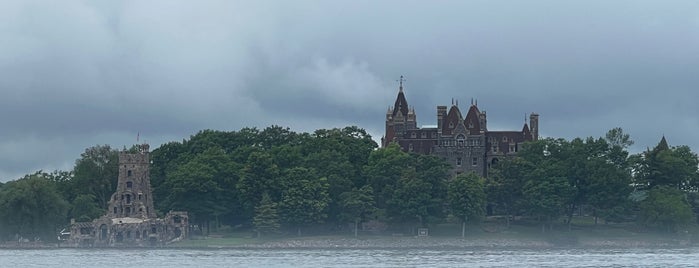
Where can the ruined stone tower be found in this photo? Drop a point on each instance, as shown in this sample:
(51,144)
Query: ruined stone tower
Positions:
(131,220)
(133,196)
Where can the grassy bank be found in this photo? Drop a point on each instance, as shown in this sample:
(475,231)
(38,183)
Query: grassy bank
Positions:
(488,234)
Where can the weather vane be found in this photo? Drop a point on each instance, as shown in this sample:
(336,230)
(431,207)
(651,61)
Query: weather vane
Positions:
(401,81)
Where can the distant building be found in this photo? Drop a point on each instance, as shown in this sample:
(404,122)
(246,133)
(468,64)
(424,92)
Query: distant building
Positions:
(131,220)
(465,142)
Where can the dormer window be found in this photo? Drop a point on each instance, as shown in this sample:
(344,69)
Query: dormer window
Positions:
(413,135)
(451,124)
(504,139)
(423,135)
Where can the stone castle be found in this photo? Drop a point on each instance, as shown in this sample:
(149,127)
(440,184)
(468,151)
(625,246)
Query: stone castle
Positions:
(465,142)
(130,220)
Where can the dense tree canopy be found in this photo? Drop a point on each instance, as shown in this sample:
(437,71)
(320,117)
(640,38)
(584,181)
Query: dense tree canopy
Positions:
(276,180)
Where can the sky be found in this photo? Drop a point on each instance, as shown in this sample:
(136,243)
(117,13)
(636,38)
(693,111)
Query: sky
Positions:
(74,74)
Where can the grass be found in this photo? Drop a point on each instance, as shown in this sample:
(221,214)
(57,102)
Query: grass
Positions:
(583,229)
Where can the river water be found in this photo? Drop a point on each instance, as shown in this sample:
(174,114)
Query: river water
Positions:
(684,257)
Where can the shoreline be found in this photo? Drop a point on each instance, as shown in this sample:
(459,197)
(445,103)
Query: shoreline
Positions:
(394,243)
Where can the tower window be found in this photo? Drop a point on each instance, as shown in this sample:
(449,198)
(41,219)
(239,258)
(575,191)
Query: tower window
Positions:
(474,161)
(115,210)
(458,161)
(128,173)
(129,184)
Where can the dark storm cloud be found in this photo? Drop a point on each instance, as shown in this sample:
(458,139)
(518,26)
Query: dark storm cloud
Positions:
(78,73)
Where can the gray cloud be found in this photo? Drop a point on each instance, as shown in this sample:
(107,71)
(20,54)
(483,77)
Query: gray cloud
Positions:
(78,73)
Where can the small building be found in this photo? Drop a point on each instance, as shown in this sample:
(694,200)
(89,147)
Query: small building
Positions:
(130,220)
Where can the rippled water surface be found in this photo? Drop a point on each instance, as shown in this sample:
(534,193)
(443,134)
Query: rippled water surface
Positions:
(688,257)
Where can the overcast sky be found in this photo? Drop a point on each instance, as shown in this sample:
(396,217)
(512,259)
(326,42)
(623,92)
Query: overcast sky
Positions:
(74,74)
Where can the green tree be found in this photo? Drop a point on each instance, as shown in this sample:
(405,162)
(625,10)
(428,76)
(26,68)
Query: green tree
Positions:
(260,175)
(467,198)
(304,199)
(667,166)
(204,186)
(266,220)
(96,173)
(505,183)
(357,205)
(665,208)
(84,208)
(547,197)
(384,169)
(32,207)
(411,200)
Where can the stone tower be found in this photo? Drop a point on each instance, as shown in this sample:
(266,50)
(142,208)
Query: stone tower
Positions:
(133,196)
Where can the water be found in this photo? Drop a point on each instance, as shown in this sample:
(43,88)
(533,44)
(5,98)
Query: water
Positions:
(686,257)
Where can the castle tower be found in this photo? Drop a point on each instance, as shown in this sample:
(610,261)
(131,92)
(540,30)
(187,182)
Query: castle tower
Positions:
(133,197)
(534,125)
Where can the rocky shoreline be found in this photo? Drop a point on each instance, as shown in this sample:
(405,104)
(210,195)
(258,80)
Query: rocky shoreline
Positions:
(454,243)
(420,243)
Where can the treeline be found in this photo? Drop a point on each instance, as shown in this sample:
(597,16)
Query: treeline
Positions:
(276,180)
(554,178)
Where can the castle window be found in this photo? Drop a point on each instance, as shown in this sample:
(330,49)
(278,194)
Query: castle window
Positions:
(410,147)
(140,196)
(153,230)
(458,161)
(474,161)
(128,199)
(451,124)
(128,211)
(423,135)
(460,139)
(129,184)
(512,148)
(128,234)
(115,210)
(128,173)
(494,146)
(504,139)
(434,134)
(413,135)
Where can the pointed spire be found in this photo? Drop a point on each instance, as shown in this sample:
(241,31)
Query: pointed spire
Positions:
(476,102)
(662,145)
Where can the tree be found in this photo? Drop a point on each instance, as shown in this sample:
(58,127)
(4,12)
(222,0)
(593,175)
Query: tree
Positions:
(666,208)
(505,183)
(96,173)
(260,175)
(383,169)
(467,198)
(266,220)
(411,200)
(357,205)
(547,197)
(204,186)
(667,166)
(304,198)
(84,208)
(31,207)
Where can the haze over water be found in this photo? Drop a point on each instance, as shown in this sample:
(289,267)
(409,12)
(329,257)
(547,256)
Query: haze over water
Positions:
(680,257)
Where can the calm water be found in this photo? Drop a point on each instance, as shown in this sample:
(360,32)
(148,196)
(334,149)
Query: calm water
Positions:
(688,257)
